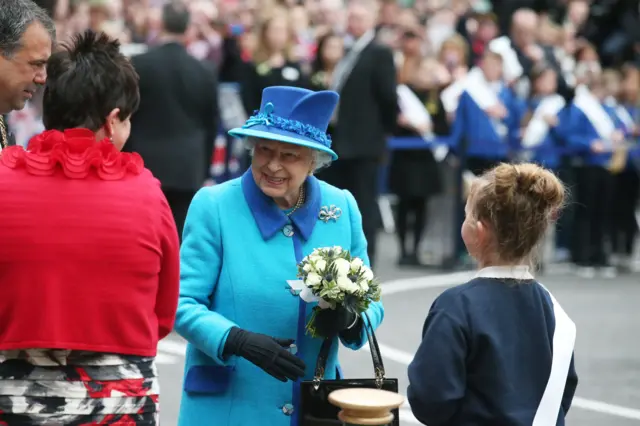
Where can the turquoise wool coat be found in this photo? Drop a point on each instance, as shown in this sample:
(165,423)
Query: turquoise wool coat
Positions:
(237,254)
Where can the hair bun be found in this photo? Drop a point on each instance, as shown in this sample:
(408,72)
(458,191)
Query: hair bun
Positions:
(532,181)
(518,202)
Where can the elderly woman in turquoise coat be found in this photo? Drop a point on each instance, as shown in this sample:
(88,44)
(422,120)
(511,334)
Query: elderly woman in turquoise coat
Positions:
(247,347)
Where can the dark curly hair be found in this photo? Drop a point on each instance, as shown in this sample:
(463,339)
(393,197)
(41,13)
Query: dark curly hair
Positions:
(86,80)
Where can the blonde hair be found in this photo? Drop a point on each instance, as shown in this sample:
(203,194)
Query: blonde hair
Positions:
(518,202)
(458,43)
(262,52)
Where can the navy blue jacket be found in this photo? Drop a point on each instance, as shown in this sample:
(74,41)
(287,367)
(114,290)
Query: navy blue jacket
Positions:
(485,357)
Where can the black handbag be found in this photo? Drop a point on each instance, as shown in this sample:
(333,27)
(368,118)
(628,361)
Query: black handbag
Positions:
(316,410)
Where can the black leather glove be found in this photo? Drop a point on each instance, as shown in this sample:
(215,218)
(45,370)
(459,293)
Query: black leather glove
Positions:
(330,322)
(266,352)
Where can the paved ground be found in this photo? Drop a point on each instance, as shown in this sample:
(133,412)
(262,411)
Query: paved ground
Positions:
(607,352)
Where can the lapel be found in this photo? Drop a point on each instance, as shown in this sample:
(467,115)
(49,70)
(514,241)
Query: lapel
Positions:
(348,63)
(270,218)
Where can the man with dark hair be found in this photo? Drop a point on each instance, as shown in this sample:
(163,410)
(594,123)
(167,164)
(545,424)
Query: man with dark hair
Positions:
(27,34)
(174,129)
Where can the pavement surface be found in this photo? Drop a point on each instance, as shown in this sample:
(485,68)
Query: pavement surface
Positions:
(607,348)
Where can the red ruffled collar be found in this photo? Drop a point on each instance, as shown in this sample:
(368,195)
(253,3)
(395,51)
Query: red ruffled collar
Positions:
(76,153)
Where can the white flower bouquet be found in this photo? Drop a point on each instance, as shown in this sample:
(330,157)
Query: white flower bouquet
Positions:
(334,278)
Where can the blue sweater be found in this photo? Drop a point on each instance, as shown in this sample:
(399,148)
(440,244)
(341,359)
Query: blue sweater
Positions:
(634,112)
(475,126)
(581,135)
(485,357)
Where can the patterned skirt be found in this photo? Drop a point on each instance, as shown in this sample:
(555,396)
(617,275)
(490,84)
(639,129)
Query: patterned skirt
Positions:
(54,387)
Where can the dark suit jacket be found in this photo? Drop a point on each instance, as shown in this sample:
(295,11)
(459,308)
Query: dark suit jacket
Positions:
(368,107)
(175,128)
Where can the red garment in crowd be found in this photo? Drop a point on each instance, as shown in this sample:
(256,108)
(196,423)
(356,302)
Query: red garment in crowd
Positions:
(89,253)
(478,47)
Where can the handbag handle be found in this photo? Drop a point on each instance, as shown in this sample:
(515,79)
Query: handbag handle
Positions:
(376,356)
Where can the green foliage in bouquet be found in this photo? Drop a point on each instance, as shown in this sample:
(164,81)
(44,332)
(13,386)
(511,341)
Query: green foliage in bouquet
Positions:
(338,279)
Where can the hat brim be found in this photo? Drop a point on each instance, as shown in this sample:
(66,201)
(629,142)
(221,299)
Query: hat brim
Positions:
(240,132)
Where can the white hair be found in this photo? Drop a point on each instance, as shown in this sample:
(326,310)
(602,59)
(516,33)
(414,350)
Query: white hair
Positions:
(321,159)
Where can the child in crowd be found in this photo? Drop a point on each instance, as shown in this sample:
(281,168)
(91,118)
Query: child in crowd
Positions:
(498,350)
(593,138)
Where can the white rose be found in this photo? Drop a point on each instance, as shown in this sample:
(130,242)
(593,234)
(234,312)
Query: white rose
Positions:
(367,273)
(321,265)
(313,279)
(346,285)
(356,264)
(307,267)
(343,266)
(314,258)
(337,249)
(364,285)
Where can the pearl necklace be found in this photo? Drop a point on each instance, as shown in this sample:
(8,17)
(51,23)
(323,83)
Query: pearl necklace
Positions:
(299,203)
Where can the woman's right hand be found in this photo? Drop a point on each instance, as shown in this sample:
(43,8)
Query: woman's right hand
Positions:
(270,354)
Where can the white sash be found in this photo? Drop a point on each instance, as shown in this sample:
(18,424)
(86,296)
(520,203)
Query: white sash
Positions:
(414,110)
(451,95)
(480,90)
(475,85)
(625,117)
(511,67)
(564,338)
(537,129)
(597,116)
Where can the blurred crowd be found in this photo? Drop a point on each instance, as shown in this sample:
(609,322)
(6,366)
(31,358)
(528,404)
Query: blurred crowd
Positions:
(435,41)
(543,47)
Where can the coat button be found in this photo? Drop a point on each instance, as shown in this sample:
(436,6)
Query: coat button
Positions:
(287,409)
(293,349)
(288,230)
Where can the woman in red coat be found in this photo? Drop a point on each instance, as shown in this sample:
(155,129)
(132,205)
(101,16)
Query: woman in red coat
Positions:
(89,265)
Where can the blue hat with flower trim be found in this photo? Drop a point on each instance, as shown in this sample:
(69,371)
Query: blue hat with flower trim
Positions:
(293,115)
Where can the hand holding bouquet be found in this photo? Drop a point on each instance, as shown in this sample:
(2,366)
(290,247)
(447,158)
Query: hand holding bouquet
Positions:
(335,279)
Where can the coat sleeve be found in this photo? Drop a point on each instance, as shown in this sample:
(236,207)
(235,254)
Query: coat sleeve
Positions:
(169,277)
(578,140)
(437,374)
(200,265)
(375,313)
(384,87)
(458,126)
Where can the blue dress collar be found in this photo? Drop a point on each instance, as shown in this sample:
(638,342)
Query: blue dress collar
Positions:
(271,219)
